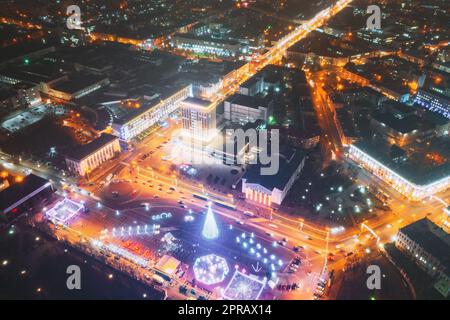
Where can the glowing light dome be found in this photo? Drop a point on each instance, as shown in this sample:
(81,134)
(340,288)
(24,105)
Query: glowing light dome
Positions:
(210,269)
(244,287)
(210,229)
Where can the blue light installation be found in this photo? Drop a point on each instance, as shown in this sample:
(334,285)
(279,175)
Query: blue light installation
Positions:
(210,229)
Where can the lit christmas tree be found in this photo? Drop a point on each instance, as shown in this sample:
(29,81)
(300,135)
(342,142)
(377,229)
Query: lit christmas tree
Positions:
(210,229)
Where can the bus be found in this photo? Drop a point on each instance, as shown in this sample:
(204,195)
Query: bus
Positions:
(200,196)
(217,202)
(225,204)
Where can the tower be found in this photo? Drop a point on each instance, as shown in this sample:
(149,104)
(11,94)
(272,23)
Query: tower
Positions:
(210,229)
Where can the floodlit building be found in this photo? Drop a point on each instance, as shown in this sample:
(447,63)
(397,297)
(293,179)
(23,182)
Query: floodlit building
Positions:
(134,123)
(76,87)
(268,189)
(243,109)
(252,86)
(429,247)
(403,130)
(199,119)
(414,182)
(434,102)
(90,156)
(207,45)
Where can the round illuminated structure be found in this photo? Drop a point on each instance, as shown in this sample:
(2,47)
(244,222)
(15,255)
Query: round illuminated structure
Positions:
(210,269)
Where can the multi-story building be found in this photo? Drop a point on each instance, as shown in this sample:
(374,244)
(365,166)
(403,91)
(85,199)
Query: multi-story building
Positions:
(134,123)
(90,156)
(76,87)
(243,108)
(433,102)
(428,246)
(405,130)
(268,189)
(252,86)
(199,119)
(20,95)
(207,45)
(413,181)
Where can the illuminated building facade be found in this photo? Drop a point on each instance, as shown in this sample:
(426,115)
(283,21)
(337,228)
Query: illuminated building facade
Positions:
(207,45)
(405,130)
(273,188)
(433,102)
(243,108)
(429,246)
(75,88)
(199,119)
(409,189)
(90,156)
(133,124)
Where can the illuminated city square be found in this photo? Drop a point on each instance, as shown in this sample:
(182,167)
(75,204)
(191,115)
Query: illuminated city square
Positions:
(224,150)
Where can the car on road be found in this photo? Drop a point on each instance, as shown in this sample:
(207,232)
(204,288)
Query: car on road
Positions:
(249,213)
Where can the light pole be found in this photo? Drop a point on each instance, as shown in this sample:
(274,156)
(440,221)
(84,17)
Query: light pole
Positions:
(175,180)
(302,223)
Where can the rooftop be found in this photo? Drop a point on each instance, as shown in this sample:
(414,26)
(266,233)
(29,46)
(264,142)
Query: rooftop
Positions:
(402,125)
(77,83)
(248,101)
(289,161)
(197,101)
(87,149)
(417,168)
(431,238)
(16,192)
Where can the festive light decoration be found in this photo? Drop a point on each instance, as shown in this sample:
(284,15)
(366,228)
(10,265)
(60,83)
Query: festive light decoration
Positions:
(64,211)
(120,252)
(138,230)
(164,215)
(256,250)
(210,229)
(244,287)
(210,269)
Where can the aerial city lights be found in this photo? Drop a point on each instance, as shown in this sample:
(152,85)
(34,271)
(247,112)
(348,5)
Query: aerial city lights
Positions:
(276,147)
(210,269)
